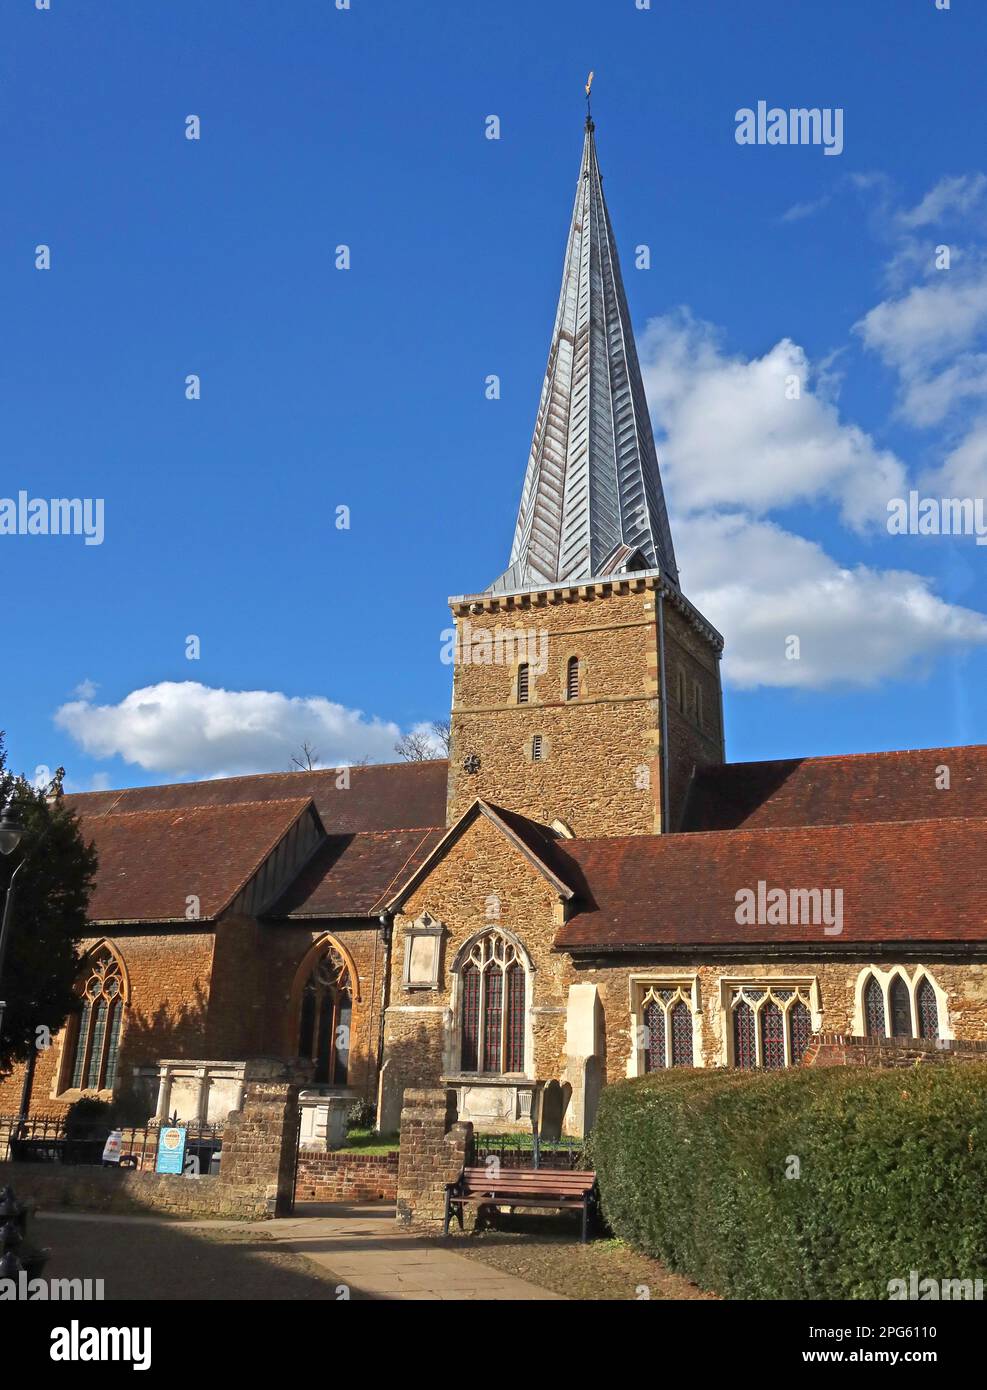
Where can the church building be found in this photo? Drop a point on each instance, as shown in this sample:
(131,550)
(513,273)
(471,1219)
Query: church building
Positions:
(585,890)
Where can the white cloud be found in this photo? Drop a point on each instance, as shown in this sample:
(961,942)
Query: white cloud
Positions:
(954,194)
(736,449)
(735,438)
(929,322)
(86,689)
(799,211)
(184,728)
(760,585)
(932,329)
(964,470)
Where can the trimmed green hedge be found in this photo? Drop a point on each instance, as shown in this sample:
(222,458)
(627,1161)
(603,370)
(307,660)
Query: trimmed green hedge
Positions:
(892,1176)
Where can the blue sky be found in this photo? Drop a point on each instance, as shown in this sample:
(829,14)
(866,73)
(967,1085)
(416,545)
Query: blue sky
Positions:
(364,388)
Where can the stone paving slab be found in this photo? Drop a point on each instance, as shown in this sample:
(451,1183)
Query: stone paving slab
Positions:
(364,1247)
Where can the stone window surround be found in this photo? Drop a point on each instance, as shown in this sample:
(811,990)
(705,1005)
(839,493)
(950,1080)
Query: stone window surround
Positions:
(640,987)
(452,1066)
(884,979)
(66,1041)
(807,984)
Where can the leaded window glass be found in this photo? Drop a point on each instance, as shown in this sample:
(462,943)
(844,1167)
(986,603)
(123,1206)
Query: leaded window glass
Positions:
(667,1019)
(680,1018)
(514,1032)
(800,1020)
(772,1036)
(325,1020)
(470,983)
(493,1006)
(744,1036)
(493,994)
(654,1036)
(874,1008)
(928,1009)
(901,1009)
(771,1025)
(96,1040)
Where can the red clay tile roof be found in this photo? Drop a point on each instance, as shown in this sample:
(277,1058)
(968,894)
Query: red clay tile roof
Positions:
(844,790)
(381,796)
(151,861)
(920,881)
(351,875)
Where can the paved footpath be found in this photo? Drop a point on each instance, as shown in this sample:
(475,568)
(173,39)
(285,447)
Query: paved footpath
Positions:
(366,1248)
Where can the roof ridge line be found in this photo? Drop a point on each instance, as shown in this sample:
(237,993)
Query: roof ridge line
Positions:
(244,776)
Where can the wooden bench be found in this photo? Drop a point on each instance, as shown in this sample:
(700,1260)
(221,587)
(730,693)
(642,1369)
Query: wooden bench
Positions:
(520,1187)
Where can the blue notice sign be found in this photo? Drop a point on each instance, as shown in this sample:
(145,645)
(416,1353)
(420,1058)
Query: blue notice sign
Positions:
(171,1151)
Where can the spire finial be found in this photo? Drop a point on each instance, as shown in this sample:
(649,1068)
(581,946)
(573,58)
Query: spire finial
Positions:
(589,89)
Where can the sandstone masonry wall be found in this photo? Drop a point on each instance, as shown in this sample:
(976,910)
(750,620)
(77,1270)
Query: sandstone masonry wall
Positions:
(600,771)
(434,1150)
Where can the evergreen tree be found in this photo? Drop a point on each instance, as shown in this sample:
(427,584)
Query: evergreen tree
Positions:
(49,914)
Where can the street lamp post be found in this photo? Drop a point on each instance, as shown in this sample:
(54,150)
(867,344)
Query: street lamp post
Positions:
(11,832)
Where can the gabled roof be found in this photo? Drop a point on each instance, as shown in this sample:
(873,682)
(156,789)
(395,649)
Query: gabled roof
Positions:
(151,862)
(913,881)
(380,796)
(847,789)
(592,482)
(352,875)
(537,843)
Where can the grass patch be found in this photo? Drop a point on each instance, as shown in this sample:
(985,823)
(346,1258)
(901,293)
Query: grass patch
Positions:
(368,1141)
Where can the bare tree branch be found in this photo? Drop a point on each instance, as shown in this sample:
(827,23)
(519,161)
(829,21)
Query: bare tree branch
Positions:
(307,759)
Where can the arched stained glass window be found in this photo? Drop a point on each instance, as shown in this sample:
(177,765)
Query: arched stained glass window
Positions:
(928,1009)
(654,1036)
(326,1018)
(470,984)
(514,1020)
(667,1021)
(901,1009)
(96,1038)
(874,1008)
(801,1025)
(680,1017)
(744,1037)
(772,1036)
(772,1025)
(493,1006)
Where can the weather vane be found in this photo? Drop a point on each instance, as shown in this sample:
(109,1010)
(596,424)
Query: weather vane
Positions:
(589,88)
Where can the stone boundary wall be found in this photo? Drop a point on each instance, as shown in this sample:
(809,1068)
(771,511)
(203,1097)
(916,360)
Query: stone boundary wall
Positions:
(844,1050)
(346,1177)
(433,1152)
(84,1187)
(255,1180)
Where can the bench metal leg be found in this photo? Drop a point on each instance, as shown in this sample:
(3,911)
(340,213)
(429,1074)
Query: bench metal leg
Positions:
(585,1217)
(450,1209)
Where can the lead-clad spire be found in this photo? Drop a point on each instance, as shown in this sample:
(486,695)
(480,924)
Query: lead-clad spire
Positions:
(592,494)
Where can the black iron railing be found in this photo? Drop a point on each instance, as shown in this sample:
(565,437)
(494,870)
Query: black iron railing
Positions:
(523,1151)
(43,1139)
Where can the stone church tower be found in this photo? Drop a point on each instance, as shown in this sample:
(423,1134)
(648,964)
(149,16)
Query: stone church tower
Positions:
(586,687)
